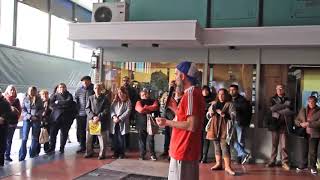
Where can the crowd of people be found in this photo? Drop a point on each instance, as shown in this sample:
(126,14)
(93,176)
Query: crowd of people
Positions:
(192,118)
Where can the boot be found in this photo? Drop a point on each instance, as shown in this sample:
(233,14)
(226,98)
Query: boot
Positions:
(218,165)
(227,164)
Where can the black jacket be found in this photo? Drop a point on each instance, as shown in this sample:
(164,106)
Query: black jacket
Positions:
(99,106)
(243,109)
(278,104)
(81,97)
(141,118)
(5,109)
(63,107)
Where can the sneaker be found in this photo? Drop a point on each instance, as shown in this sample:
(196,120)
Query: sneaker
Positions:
(115,156)
(61,150)
(313,171)
(245,158)
(101,157)
(88,155)
(81,150)
(122,156)
(8,159)
(142,158)
(271,164)
(153,158)
(164,154)
(285,166)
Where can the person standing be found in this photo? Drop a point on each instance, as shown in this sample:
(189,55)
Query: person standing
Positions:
(309,118)
(11,96)
(221,129)
(32,109)
(280,103)
(205,143)
(144,107)
(5,111)
(98,110)
(185,144)
(81,97)
(120,115)
(62,115)
(44,94)
(133,96)
(243,119)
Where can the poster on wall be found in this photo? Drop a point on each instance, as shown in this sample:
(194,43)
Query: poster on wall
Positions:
(306,94)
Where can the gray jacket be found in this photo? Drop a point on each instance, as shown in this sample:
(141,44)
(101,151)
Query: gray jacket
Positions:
(122,110)
(99,106)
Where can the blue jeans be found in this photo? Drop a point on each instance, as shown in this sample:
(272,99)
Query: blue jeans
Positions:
(10,134)
(239,142)
(33,151)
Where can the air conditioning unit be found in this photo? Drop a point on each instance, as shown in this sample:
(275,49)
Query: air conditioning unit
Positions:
(109,12)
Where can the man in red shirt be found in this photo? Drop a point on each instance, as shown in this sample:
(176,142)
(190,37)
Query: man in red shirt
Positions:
(185,145)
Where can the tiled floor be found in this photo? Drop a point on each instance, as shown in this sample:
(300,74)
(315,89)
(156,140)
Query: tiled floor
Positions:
(71,166)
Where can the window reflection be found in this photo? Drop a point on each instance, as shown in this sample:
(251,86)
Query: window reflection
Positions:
(152,75)
(6,21)
(32,28)
(60,44)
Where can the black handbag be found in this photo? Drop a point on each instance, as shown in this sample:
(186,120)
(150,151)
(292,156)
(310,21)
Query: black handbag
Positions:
(299,131)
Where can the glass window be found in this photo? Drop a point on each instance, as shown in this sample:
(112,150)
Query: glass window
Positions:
(82,53)
(223,75)
(60,44)
(243,75)
(32,28)
(152,75)
(6,21)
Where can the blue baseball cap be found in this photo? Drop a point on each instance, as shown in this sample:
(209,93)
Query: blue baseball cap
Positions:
(189,69)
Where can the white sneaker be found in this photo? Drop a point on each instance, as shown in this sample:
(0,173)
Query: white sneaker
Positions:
(313,171)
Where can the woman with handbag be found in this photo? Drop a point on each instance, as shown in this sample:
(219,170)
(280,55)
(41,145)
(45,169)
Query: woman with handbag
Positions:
(32,109)
(120,115)
(205,143)
(221,115)
(11,96)
(145,107)
(309,118)
(45,124)
(98,112)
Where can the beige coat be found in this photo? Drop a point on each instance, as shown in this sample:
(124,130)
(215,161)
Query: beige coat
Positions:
(218,127)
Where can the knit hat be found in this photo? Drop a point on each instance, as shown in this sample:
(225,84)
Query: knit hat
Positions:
(189,69)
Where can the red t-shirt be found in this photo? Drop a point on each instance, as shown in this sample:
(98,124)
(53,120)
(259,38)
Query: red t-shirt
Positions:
(186,145)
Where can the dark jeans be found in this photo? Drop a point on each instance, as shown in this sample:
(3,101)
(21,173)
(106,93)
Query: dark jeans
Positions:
(167,137)
(35,132)
(11,130)
(3,142)
(302,156)
(313,150)
(143,135)
(205,144)
(64,127)
(118,141)
(81,130)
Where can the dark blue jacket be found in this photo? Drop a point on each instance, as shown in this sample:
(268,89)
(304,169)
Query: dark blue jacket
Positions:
(81,97)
